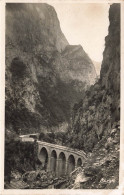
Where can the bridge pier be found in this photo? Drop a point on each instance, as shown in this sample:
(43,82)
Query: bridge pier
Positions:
(66,166)
(58,162)
(48,164)
(57,167)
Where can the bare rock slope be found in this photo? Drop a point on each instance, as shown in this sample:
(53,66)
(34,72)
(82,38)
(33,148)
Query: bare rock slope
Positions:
(45,76)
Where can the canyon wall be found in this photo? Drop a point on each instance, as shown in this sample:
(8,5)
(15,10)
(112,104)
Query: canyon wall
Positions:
(95,126)
(45,75)
(99,110)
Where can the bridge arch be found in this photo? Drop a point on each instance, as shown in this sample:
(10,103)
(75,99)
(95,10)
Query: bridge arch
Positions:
(53,161)
(79,162)
(44,157)
(61,164)
(71,164)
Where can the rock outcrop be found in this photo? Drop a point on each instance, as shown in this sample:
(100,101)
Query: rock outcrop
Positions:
(45,75)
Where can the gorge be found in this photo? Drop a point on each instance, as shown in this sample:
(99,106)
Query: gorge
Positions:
(51,85)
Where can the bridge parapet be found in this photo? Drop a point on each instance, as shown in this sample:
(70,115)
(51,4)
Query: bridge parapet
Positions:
(75,151)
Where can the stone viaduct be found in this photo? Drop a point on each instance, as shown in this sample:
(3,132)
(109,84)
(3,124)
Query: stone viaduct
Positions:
(59,159)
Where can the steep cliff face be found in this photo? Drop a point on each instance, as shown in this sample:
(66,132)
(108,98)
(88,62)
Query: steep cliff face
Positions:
(96,113)
(44,75)
(82,68)
(95,120)
(110,69)
(97,67)
(35,26)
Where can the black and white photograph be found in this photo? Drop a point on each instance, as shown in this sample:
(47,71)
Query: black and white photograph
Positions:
(62,95)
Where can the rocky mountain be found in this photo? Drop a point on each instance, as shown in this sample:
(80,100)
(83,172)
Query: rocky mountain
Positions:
(45,75)
(96,118)
(97,67)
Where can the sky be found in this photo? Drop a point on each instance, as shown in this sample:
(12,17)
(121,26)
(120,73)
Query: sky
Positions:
(85,24)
